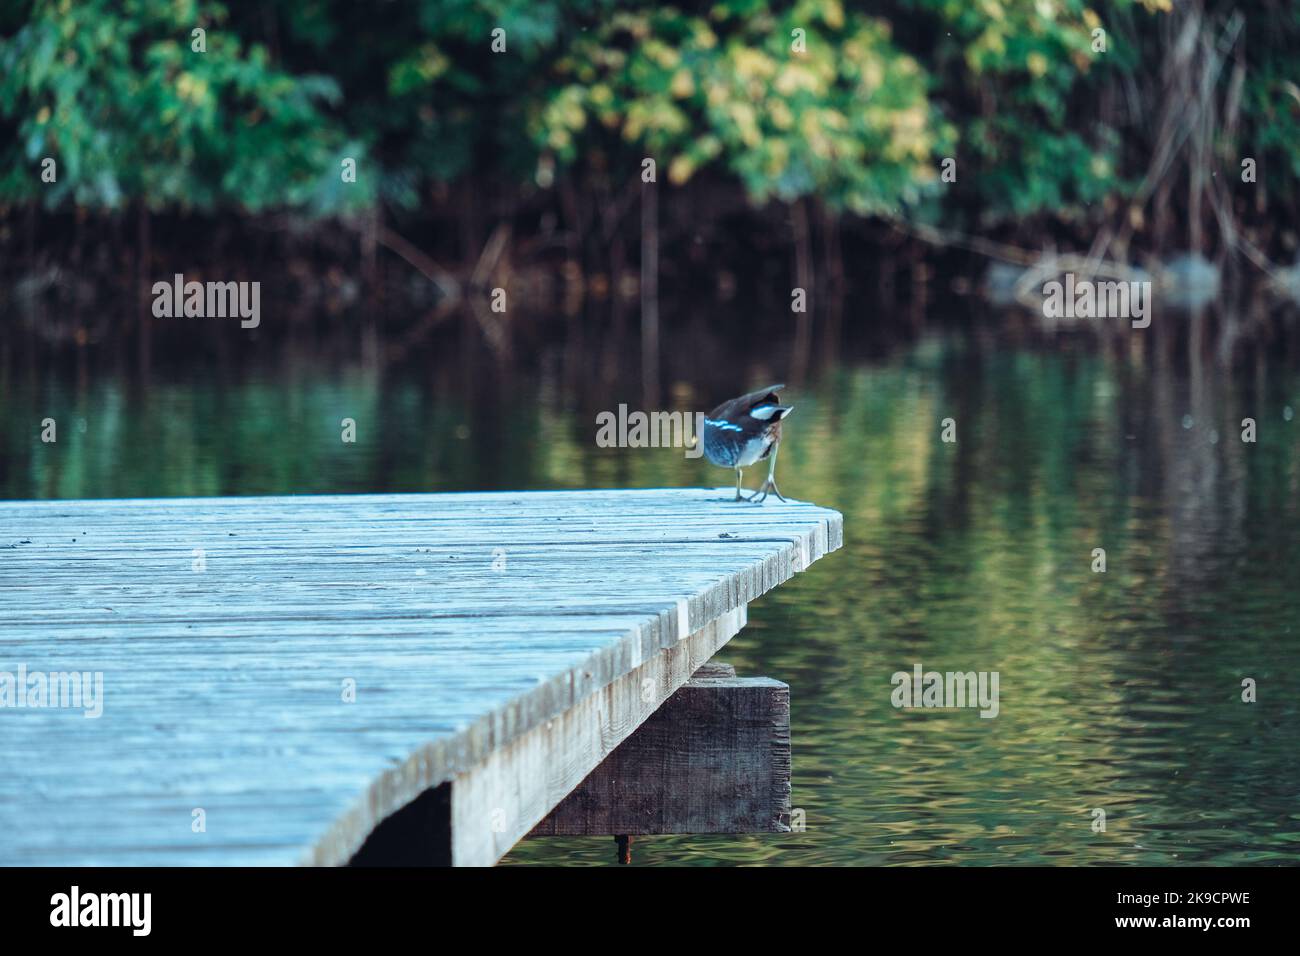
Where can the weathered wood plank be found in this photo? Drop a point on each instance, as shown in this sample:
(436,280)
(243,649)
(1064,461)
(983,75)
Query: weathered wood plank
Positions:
(474,819)
(715,758)
(497,803)
(465,623)
(714,669)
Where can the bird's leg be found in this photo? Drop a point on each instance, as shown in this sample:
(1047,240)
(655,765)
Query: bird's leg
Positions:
(739,496)
(770,483)
(771,473)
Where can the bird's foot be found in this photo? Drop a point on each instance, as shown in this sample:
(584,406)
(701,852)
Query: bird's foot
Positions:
(761,495)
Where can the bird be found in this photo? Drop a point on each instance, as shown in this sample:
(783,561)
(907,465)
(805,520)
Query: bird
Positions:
(744,430)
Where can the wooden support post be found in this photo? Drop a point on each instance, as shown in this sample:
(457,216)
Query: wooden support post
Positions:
(624,844)
(715,758)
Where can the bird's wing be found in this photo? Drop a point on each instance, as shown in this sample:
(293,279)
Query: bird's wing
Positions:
(763,396)
(740,411)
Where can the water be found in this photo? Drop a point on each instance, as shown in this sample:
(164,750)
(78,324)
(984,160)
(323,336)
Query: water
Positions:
(1120,691)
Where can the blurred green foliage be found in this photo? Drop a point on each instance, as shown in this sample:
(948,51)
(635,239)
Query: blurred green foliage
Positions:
(115,93)
(806,102)
(807,98)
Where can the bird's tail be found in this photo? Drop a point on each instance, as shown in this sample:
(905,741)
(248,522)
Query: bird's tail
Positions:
(770,412)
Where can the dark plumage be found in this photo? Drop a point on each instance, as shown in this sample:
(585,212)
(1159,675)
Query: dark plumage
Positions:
(745,430)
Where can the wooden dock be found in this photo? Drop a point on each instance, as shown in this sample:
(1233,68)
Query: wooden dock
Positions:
(280,675)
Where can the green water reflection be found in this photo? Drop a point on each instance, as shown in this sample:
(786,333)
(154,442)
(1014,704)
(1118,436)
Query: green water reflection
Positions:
(1119,690)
